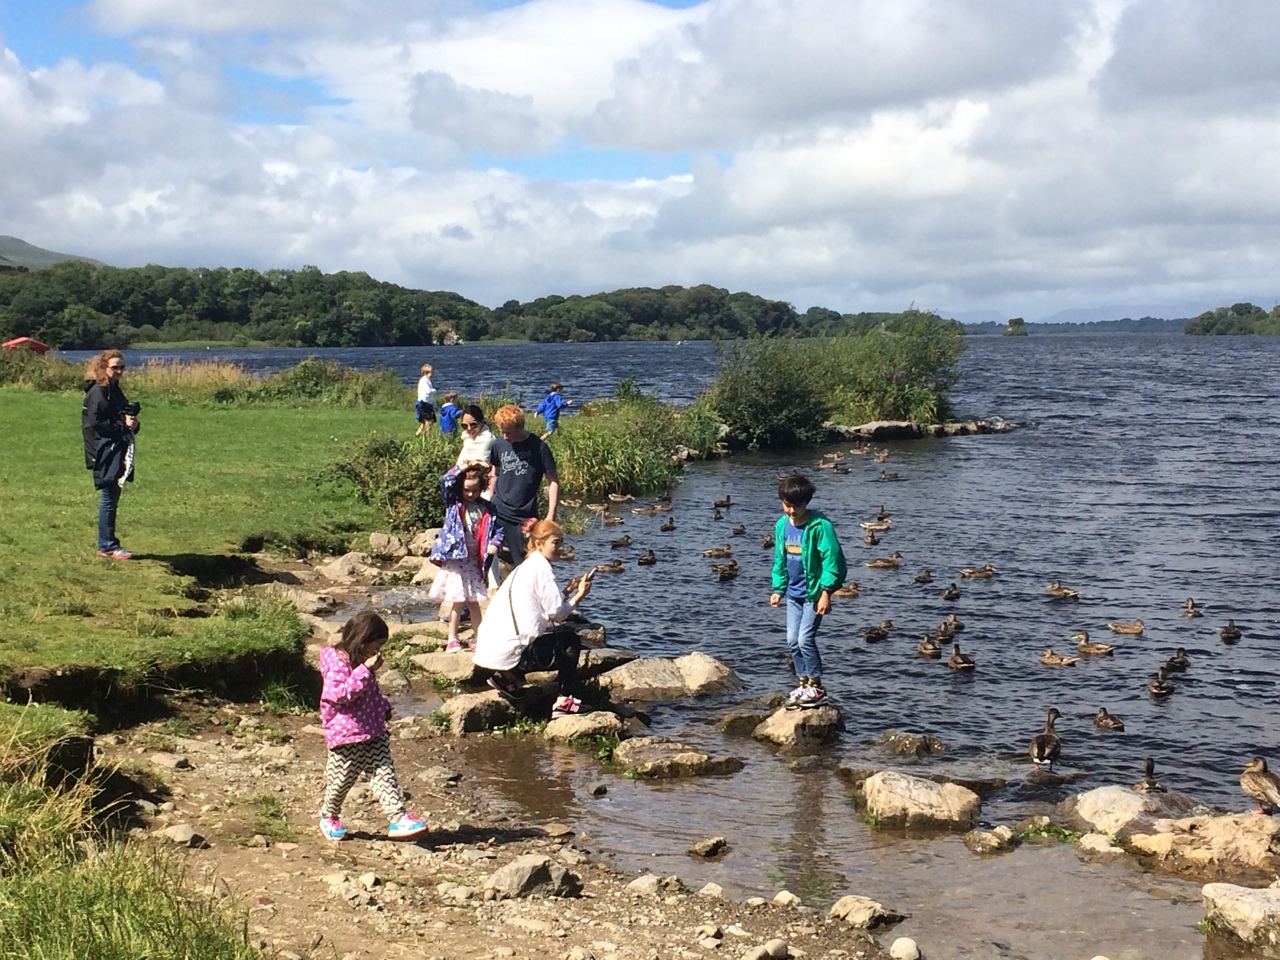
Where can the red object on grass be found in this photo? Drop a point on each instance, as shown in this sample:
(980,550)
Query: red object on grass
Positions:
(27,342)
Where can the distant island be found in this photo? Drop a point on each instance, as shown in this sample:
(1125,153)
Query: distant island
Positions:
(1239,318)
(1018,327)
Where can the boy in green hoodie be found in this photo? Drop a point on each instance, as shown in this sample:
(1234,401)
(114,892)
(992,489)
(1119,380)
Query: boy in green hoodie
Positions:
(808,566)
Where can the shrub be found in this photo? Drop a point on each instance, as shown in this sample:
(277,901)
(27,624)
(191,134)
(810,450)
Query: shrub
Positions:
(322,381)
(400,477)
(769,394)
(27,368)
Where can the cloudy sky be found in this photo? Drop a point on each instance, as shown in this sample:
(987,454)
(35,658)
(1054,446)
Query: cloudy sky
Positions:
(966,155)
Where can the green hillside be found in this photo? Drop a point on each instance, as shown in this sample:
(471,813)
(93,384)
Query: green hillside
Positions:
(19,253)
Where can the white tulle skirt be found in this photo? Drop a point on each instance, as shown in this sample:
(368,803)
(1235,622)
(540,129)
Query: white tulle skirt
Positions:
(458,581)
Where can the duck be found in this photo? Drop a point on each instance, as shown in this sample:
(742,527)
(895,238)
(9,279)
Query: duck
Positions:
(881,456)
(925,577)
(885,563)
(887,476)
(849,591)
(1091,648)
(870,538)
(1129,629)
(958,660)
(951,592)
(929,647)
(882,514)
(1230,633)
(1190,609)
(1158,686)
(1058,592)
(739,530)
(1045,745)
(644,511)
(1261,785)
(727,572)
(1051,659)
(598,507)
(725,501)
(620,497)
(716,553)
(1149,783)
(766,541)
(984,572)
(663,507)
(622,541)
(667,525)
(839,469)
(880,526)
(727,565)
(571,503)
(609,520)
(1107,721)
(953,623)
(717,515)
(613,566)
(647,559)
(879,632)
(1178,662)
(860,451)
(567,553)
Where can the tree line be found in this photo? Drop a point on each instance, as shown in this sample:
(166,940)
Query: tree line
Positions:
(1236,319)
(77,305)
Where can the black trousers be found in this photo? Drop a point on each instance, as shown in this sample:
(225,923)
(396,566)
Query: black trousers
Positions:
(557,649)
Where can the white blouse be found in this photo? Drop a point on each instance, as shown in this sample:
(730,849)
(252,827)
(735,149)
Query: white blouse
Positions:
(525,606)
(479,447)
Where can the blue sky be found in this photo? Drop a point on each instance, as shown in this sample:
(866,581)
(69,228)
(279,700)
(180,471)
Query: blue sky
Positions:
(981,157)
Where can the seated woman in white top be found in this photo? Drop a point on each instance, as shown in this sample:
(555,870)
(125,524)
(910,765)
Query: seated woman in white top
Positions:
(518,632)
(477,441)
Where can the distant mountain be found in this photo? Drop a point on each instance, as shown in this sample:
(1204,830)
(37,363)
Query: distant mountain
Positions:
(19,253)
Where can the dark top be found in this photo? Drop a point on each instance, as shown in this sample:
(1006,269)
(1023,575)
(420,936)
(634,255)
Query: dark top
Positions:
(521,467)
(101,418)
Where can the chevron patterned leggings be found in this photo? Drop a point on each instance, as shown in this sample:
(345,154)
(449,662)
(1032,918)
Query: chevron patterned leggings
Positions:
(348,761)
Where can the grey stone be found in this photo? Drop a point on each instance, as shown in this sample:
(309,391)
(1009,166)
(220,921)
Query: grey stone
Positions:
(756,953)
(785,898)
(1244,914)
(776,948)
(392,680)
(421,543)
(1208,846)
(1097,844)
(438,774)
(349,565)
(387,545)
(896,799)
(709,847)
(184,835)
(426,573)
(307,602)
(864,913)
(991,841)
(652,885)
(802,729)
(663,678)
(662,757)
(594,661)
(600,723)
(170,761)
(911,744)
(456,666)
(712,890)
(742,724)
(474,712)
(1118,810)
(533,875)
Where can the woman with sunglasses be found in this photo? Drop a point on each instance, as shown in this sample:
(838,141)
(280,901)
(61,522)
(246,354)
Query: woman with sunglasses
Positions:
(477,441)
(108,440)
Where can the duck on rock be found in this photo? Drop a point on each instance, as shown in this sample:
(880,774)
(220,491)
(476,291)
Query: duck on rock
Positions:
(1261,786)
(1149,783)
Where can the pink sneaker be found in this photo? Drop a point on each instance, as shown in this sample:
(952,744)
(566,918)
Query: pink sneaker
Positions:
(566,707)
(119,553)
(453,646)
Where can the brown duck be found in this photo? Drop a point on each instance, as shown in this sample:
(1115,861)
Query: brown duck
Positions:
(718,553)
(951,592)
(622,541)
(1133,629)
(647,559)
(885,563)
(1107,721)
(925,577)
(958,660)
(1261,786)
(1045,745)
(1149,783)
(984,572)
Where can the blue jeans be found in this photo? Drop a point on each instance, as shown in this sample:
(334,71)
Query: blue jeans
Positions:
(802,637)
(107,518)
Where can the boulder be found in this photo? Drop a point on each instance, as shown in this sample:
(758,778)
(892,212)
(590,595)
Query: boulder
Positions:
(421,543)
(474,712)
(652,885)
(599,723)
(393,681)
(426,573)
(314,604)
(801,728)
(1117,810)
(594,661)
(664,678)
(708,847)
(1244,914)
(1097,845)
(387,545)
(453,666)
(662,758)
(864,913)
(896,799)
(910,744)
(349,566)
(742,724)
(533,875)
(991,841)
(1212,847)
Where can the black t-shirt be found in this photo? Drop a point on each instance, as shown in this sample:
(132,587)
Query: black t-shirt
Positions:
(521,467)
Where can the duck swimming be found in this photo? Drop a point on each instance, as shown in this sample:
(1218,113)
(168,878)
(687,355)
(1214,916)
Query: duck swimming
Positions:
(613,566)
(739,530)
(881,456)
(878,525)
(1045,745)
(870,538)
(1178,662)
(1158,686)
(1190,609)
(667,525)
(1051,659)
(620,497)
(925,577)
(1058,592)
(1091,648)
(951,592)
(1230,633)
(623,541)
(929,647)
(726,501)
(979,573)
(644,511)
(885,563)
(1261,785)
(839,469)
(1107,721)
(1149,783)
(881,514)
(766,541)
(887,476)
(727,565)
(1129,629)
(715,553)
(877,633)
(953,623)
(727,572)
(958,660)
(647,559)
(609,520)
(717,515)
(849,591)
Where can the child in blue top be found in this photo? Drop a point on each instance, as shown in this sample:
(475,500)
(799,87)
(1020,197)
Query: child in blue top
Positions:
(449,414)
(549,409)
(808,566)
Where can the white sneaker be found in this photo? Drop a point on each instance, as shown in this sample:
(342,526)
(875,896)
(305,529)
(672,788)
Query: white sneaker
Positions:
(795,697)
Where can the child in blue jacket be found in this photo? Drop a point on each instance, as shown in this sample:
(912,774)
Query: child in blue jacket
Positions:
(549,409)
(808,566)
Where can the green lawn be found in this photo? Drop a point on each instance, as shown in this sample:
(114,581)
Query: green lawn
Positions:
(209,477)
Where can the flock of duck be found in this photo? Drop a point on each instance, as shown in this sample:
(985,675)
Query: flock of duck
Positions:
(1257,781)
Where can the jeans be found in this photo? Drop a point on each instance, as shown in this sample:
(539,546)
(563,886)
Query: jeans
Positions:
(107,505)
(802,637)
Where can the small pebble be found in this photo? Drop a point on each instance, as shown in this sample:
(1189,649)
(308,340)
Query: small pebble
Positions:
(904,948)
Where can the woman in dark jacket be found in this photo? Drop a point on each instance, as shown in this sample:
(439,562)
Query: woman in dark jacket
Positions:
(108,444)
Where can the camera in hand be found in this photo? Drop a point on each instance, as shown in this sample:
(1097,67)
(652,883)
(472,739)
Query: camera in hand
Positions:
(132,408)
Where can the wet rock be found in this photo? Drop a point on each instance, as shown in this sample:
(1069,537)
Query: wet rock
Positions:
(1118,810)
(600,723)
(313,604)
(439,775)
(474,712)
(169,761)
(708,847)
(991,841)
(1244,914)
(864,913)
(349,565)
(664,678)
(594,661)
(803,729)
(652,885)
(421,543)
(742,724)
(896,799)
(785,898)
(184,835)
(452,666)
(533,875)
(387,545)
(904,948)
(662,757)
(598,789)
(1212,846)
(910,744)
(1097,844)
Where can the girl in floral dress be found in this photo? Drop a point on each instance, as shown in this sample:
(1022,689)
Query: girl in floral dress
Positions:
(465,549)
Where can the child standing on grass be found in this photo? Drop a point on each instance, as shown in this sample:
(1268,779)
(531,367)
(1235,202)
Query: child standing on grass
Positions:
(550,407)
(449,414)
(466,547)
(808,566)
(425,407)
(355,714)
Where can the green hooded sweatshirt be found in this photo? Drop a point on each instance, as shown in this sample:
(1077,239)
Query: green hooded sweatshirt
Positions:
(820,556)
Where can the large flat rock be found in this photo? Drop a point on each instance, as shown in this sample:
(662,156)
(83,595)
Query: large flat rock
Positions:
(662,758)
(800,729)
(1244,914)
(1212,848)
(1118,810)
(666,678)
(900,800)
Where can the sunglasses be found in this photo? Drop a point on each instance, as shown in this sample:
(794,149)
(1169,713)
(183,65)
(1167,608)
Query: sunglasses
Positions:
(468,424)
(115,366)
